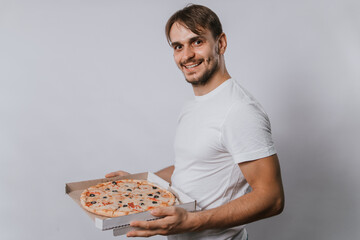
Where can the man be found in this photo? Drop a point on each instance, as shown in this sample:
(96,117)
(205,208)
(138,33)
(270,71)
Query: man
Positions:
(224,153)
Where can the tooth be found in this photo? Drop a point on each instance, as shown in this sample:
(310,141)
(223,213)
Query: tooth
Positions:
(191,66)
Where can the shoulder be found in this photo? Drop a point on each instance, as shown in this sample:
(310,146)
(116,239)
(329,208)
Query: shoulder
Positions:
(238,93)
(245,115)
(246,110)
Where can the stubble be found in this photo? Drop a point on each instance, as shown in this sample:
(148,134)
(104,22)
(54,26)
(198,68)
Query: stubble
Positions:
(204,79)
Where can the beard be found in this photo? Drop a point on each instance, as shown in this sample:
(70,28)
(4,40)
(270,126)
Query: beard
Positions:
(204,78)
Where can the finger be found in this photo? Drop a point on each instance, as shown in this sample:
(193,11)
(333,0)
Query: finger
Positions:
(163,211)
(150,225)
(112,174)
(144,224)
(147,233)
(117,173)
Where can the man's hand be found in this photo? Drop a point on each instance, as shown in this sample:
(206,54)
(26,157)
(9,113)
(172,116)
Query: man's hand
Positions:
(117,173)
(175,220)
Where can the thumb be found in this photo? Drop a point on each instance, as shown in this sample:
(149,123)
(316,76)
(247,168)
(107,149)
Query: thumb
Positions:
(117,173)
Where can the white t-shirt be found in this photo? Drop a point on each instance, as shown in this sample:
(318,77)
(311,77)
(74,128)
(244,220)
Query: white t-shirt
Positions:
(215,132)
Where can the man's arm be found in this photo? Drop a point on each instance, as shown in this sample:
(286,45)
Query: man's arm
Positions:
(166,173)
(265,200)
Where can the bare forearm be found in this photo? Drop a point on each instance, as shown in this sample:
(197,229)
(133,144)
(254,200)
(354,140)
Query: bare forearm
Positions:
(248,208)
(265,200)
(166,173)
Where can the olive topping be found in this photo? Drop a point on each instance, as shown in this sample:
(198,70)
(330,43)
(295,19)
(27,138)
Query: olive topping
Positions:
(129,190)
(120,201)
(114,190)
(156,196)
(150,195)
(104,196)
(92,195)
(140,194)
(126,195)
(141,200)
(142,203)
(93,202)
(114,182)
(154,187)
(154,202)
(125,205)
(107,189)
(158,192)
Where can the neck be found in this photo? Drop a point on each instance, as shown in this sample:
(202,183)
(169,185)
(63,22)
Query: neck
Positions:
(216,80)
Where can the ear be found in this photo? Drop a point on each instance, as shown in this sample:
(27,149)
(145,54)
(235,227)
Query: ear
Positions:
(222,43)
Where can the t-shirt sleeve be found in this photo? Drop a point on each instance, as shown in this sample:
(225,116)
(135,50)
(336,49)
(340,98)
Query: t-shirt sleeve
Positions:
(246,132)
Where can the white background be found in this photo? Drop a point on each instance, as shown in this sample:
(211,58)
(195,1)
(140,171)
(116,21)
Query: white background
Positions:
(88,87)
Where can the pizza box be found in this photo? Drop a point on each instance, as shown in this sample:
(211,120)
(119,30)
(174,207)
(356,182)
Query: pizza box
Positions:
(121,225)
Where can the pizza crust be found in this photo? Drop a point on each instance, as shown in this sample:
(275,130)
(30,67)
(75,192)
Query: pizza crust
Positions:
(123,197)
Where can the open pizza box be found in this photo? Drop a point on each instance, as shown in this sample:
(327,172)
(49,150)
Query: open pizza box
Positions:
(121,225)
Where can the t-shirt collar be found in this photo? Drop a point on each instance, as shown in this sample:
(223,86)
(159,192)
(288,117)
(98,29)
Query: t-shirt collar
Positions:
(213,92)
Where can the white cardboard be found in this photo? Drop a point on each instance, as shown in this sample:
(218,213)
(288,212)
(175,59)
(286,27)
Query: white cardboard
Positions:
(121,225)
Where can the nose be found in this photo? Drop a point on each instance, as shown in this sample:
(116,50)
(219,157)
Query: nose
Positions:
(188,54)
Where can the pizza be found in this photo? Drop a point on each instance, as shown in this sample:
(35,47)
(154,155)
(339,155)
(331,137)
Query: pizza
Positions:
(123,197)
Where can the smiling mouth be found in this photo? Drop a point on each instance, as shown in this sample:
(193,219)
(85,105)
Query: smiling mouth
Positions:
(192,66)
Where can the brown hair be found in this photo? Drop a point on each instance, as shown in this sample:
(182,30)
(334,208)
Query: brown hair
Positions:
(197,18)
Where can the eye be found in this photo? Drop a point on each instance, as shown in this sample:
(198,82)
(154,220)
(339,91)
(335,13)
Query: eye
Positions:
(177,47)
(198,42)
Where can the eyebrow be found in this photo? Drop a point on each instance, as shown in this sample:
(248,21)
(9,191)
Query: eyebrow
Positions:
(193,39)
